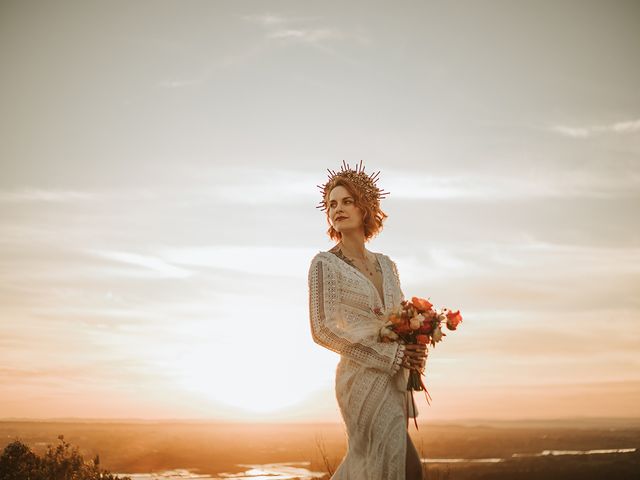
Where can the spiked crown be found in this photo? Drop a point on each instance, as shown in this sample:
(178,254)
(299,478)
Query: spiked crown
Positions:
(366,184)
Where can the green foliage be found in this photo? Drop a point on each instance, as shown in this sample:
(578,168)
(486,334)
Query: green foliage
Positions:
(18,462)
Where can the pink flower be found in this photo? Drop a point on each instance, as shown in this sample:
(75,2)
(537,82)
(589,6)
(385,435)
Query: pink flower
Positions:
(416,322)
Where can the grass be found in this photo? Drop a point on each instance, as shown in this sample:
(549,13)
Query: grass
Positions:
(427,474)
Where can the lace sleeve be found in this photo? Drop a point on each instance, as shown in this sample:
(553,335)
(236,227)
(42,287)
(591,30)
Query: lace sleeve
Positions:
(329,330)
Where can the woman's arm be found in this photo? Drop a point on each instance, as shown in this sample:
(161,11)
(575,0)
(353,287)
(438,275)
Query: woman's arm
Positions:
(328,330)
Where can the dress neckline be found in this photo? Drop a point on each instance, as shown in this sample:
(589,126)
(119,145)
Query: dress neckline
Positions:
(384,283)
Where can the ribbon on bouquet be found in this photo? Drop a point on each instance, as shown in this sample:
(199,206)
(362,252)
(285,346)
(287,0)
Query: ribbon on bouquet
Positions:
(410,385)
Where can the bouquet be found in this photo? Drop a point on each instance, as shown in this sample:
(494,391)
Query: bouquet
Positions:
(417,322)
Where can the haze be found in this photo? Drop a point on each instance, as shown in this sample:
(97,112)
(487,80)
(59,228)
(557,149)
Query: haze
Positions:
(159,163)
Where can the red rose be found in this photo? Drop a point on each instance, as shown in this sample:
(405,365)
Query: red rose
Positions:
(427,327)
(453,319)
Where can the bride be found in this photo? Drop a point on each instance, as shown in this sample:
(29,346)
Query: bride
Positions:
(346,284)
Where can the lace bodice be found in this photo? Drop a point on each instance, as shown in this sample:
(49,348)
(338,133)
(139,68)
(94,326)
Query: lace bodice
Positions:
(341,316)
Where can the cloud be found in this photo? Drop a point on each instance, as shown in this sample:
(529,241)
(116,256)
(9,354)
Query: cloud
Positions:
(631,126)
(522,279)
(317,36)
(310,35)
(234,185)
(92,369)
(208,72)
(174,262)
(41,195)
(537,258)
(278,28)
(261,260)
(486,185)
(287,31)
(269,19)
(187,82)
(152,267)
(246,185)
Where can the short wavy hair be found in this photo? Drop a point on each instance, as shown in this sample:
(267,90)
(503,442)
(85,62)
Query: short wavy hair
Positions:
(373,216)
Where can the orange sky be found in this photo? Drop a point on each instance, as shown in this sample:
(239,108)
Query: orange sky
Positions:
(158,191)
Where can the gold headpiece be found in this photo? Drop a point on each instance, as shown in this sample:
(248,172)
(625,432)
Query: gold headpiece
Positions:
(365,183)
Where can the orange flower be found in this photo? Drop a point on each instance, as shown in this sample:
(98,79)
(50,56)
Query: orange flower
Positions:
(453,319)
(422,339)
(403,328)
(421,304)
(395,319)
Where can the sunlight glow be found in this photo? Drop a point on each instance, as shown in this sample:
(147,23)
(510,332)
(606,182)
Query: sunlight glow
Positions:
(232,375)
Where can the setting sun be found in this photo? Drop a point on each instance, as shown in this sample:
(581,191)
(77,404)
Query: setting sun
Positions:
(231,375)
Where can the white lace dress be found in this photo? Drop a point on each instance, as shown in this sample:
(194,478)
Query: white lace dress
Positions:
(370,383)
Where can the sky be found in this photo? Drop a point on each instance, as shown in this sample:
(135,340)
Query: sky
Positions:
(159,163)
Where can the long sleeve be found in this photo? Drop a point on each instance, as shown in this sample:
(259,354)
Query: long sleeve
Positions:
(329,329)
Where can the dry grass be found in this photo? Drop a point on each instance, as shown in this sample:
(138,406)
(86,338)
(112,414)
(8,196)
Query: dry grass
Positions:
(426,473)
(328,465)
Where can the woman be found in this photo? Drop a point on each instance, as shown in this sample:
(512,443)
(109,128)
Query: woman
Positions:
(347,285)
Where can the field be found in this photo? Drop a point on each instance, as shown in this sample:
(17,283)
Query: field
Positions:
(502,450)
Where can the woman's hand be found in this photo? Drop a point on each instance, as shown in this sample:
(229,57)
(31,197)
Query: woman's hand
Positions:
(415,356)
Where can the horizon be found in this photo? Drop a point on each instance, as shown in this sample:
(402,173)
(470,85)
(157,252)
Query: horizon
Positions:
(434,421)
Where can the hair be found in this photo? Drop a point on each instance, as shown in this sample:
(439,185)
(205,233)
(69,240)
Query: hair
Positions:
(372,215)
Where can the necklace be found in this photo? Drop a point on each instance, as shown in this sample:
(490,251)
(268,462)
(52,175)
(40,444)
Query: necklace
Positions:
(365,262)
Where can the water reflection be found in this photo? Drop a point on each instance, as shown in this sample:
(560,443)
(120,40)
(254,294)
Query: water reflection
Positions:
(576,452)
(179,474)
(521,455)
(462,460)
(274,471)
(297,470)
(269,471)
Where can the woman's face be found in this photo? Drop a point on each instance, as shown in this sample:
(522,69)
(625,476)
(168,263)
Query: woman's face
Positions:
(342,210)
